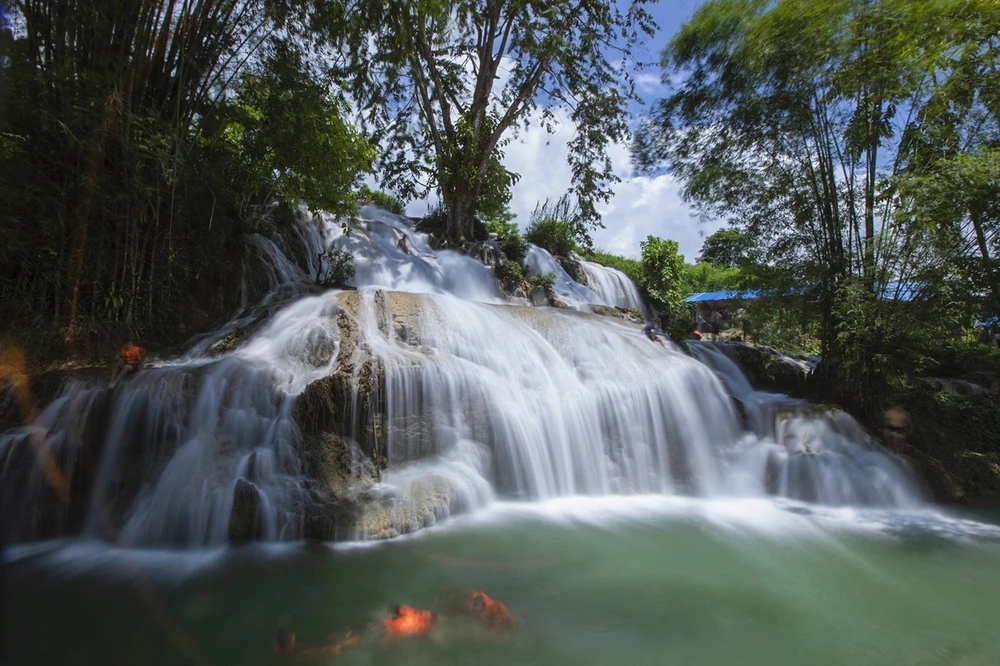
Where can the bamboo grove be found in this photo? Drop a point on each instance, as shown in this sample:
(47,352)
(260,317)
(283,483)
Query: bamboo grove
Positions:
(132,161)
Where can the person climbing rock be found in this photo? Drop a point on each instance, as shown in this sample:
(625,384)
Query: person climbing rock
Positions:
(130,359)
(402,244)
(650,332)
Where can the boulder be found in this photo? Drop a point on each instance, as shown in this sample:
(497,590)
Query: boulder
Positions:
(244,520)
(769,370)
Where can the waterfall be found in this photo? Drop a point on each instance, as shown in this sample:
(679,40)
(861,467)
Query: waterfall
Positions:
(612,286)
(479,398)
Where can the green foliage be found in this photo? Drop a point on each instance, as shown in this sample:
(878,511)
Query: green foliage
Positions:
(725,247)
(783,323)
(336,268)
(852,141)
(705,276)
(554,226)
(663,271)
(285,125)
(511,275)
(383,200)
(513,245)
(136,157)
(544,281)
(409,63)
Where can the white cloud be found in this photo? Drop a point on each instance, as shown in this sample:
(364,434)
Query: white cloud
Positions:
(641,206)
(648,82)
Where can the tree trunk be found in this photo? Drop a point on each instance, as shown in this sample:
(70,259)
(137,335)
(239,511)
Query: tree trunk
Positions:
(984,252)
(459,207)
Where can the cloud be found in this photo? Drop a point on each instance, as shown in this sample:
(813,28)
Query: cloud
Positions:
(642,205)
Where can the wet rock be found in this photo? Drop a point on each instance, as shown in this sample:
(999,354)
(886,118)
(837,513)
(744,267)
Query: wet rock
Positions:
(574,268)
(244,519)
(954,386)
(554,302)
(767,369)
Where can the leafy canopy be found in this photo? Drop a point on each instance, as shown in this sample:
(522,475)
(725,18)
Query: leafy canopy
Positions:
(443,83)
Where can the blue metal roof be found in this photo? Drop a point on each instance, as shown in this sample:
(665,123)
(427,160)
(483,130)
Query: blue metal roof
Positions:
(720,296)
(895,291)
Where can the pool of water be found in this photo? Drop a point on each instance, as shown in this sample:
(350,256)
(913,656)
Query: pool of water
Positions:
(620,581)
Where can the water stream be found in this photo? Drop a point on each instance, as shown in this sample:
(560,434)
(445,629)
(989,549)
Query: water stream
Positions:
(482,398)
(631,503)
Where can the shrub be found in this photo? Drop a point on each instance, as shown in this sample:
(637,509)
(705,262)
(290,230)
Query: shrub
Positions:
(553,226)
(383,200)
(544,281)
(555,236)
(509,237)
(510,274)
(336,267)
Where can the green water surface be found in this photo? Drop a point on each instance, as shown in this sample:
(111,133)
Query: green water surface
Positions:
(658,588)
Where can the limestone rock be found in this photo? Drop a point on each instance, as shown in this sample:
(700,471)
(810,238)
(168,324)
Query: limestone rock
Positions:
(244,521)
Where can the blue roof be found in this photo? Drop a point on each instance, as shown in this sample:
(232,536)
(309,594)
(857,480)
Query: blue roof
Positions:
(896,291)
(720,296)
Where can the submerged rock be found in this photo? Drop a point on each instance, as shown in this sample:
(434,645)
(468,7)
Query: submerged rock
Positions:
(244,519)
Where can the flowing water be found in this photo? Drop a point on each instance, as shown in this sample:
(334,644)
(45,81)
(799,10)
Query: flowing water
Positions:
(631,503)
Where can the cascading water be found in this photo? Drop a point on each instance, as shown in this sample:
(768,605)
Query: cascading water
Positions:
(612,286)
(481,398)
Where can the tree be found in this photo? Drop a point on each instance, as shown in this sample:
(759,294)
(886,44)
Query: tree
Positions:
(130,171)
(663,271)
(442,85)
(725,247)
(790,122)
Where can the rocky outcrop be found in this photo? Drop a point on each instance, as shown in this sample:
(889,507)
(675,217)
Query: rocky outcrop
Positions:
(770,370)
(244,519)
(632,316)
(575,270)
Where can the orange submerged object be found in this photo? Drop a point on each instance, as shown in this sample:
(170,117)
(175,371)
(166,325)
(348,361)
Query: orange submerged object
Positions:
(408,621)
(476,603)
(492,613)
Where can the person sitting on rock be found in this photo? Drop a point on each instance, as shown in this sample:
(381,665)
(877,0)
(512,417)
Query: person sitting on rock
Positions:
(130,359)
(650,332)
(402,244)
(695,334)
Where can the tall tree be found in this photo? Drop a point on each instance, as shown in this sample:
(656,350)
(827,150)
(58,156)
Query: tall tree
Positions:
(444,83)
(725,247)
(790,121)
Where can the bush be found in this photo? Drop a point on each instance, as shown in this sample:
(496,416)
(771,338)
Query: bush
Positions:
(383,200)
(553,235)
(544,281)
(336,267)
(553,226)
(510,275)
(509,237)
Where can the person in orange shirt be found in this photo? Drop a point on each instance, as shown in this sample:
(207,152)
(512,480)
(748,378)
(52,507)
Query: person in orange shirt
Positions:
(130,359)
(408,621)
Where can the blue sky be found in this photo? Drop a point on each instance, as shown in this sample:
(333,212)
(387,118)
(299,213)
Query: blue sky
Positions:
(642,205)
